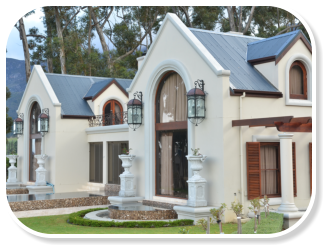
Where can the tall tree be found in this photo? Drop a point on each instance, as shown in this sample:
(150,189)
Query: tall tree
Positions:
(22,35)
(9,120)
(236,18)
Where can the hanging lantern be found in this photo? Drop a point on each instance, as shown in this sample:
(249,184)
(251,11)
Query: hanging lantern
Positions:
(135,111)
(18,125)
(43,122)
(196,103)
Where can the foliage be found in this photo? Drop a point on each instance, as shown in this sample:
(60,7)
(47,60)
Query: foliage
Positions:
(11,146)
(77,219)
(195,151)
(255,204)
(9,120)
(184,230)
(124,151)
(269,225)
(236,207)
(202,223)
(220,210)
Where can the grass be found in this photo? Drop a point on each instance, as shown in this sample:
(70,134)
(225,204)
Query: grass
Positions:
(57,224)
(272,224)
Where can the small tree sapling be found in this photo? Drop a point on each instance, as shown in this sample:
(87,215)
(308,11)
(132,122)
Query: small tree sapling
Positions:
(218,214)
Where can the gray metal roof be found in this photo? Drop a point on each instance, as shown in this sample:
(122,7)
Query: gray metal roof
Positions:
(271,47)
(71,89)
(230,52)
(98,86)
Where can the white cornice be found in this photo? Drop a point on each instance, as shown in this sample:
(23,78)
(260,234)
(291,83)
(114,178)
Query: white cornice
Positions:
(107,129)
(193,41)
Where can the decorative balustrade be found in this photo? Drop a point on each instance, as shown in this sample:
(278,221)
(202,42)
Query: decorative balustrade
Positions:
(108,119)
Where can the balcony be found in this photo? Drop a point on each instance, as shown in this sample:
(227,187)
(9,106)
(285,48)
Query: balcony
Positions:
(108,119)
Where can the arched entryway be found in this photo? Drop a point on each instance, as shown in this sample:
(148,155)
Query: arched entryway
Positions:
(112,113)
(171,133)
(35,141)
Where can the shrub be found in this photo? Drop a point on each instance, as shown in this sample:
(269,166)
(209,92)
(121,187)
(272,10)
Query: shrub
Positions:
(77,219)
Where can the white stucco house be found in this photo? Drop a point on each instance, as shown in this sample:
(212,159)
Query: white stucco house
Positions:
(250,83)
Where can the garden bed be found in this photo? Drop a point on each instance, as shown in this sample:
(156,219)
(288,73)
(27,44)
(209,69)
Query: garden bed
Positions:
(78,219)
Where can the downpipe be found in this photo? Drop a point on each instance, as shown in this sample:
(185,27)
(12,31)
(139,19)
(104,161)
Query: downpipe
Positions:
(241,152)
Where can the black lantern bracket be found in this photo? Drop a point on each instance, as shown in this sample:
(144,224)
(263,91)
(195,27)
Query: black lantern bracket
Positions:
(197,94)
(45,111)
(134,105)
(18,125)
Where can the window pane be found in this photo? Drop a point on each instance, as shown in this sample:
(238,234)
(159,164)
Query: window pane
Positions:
(173,100)
(269,166)
(35,145)
(96,162)
(172,164)
(296,80)
(114,162)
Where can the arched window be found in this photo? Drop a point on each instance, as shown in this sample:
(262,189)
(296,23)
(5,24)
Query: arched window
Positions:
(35,140)
(112,113)
(297,81)
(171,137)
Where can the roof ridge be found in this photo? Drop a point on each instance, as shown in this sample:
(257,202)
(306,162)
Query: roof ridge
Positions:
(226,34)
(78,76)
(276,37)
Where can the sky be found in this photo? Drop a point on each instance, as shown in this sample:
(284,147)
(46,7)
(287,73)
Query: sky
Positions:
(14,44)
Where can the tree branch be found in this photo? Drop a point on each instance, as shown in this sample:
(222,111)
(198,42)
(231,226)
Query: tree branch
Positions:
(40,36)
(289,27)
(146,33)
(249,20)
(72,18)
(106,18)
(186,15)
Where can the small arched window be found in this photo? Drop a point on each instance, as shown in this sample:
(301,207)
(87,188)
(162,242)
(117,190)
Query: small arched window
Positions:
(112,113)
(297,81)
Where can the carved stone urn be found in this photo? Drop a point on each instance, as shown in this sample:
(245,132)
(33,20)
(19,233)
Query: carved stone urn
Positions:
(12,170)
(196,184)
(41,171)
(127,177)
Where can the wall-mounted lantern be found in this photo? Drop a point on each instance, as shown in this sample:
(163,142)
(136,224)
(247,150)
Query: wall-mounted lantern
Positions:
(135,111)
(196,103)
(18,125)
(43,122)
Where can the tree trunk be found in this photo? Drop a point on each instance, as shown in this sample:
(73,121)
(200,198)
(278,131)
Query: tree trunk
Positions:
(61,40)
(278,18)
(49,38)
(240,27)
(231,19)
(25,47)
(89,41)
(101,37)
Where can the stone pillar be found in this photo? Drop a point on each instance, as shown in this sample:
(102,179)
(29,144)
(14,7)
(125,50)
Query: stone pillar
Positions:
(12,170)
(286,171)
(127,177)
(196,184)
(41,171)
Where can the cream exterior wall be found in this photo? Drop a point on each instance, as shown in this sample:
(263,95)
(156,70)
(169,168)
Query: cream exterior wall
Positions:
(111,93)
(269,71)
(35,90)
(215,136)
(260,108)
(178,50)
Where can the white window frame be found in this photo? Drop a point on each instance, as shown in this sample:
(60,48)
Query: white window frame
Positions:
(308,66)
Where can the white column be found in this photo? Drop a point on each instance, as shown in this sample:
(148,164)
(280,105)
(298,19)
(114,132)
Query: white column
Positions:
(286,169)
(105,162)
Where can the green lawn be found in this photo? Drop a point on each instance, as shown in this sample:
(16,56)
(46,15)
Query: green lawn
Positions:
(57,224)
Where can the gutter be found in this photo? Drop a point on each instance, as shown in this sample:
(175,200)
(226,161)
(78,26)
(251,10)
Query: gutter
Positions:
(241,152)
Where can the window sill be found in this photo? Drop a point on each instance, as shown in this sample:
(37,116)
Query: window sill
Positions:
(275,201)
(298,102)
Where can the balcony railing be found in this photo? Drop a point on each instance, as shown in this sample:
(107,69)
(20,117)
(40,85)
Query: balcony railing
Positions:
(108,119)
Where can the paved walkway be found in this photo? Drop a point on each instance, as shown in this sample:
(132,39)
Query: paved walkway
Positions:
(55,211)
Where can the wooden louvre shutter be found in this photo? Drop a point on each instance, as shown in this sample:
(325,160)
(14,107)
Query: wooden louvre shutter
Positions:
(310,156)
(294,170)
(253,169)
